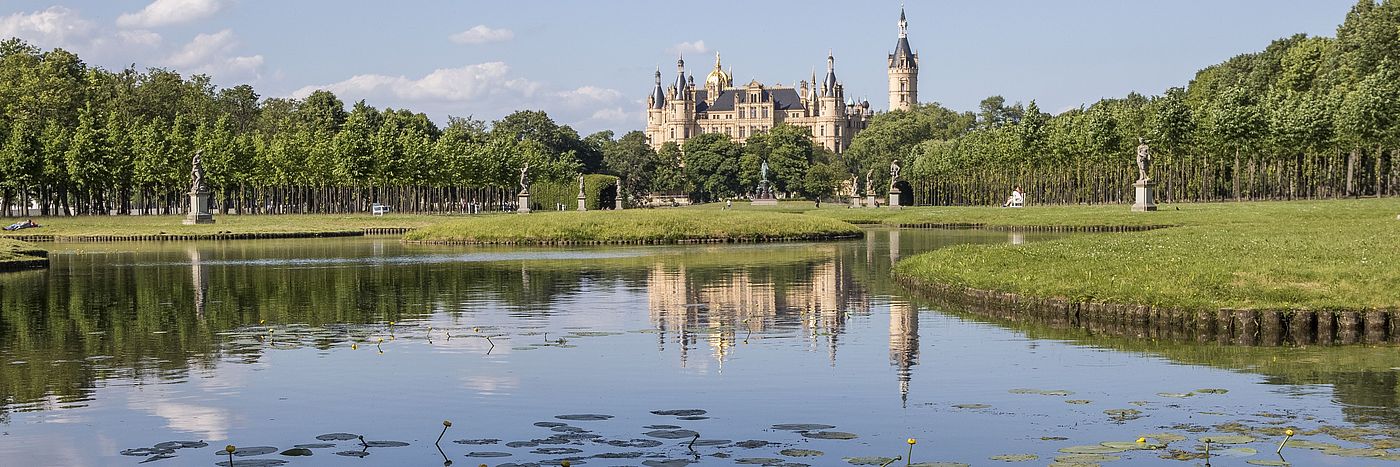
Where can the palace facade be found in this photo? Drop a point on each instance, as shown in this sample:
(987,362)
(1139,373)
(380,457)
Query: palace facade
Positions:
(681,110)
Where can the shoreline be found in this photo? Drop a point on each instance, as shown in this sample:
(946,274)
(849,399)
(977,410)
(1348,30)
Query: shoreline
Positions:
(682,241)
(1250,327)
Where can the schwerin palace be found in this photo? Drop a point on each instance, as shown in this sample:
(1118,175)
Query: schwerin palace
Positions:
(682,110)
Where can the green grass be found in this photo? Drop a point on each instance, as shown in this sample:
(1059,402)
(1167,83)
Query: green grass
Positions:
(1282,255)
(15,251)
(634,226)
(156,225)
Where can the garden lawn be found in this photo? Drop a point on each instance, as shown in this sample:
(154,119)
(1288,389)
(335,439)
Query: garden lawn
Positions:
(15,252)
(1316,255)
(635,226)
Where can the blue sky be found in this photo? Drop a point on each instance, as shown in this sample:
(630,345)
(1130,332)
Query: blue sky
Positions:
(590,63)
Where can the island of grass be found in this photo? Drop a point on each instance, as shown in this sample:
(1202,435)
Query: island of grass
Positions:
(16,255)
(1326,263)
(638,226)
(127,228)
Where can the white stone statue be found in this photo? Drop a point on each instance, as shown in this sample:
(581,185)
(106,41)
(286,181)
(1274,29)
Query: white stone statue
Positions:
(525,178)
(869,178)
(1144,159)
(580,185)
(894,171)
(197,174)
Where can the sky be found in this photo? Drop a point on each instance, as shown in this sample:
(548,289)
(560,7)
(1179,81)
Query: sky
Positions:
(590,64)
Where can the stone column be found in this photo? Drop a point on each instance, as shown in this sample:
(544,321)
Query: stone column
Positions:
(199,209)
(523,201)
(1146,200)
(582,202)
(894,197)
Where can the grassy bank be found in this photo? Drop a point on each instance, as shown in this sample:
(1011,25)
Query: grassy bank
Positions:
(122,226)
(1316,255)
(635,226)
(15,255)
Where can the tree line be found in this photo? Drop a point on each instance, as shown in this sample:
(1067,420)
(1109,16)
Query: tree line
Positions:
(77,139)
(1307,117)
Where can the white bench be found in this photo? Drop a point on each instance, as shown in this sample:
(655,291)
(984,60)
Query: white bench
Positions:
(379,209)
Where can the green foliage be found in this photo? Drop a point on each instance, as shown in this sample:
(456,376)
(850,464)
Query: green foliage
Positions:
(634,225)
(545,195)
(712,167)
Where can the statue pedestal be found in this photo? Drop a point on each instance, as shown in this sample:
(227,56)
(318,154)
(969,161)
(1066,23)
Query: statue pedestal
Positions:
(894,197)
(199,209)
(582,203)
(522,202)
(617,201)
(764,201)
(869,201)
(1146,196)
(855,201)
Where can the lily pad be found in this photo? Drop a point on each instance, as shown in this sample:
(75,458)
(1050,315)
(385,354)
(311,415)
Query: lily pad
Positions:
(550,424)
(488,454)
(869,460)
(584,417)
(1042,392)
(662,427)
(1091,449)
(620,455)
(252,463)
(315,445)
(556,451)
(939,464)
(338,437)
(294,452)
(667,463)
(801,453)
(477,442)
(758,461)
(1165,437)
(1014,457)
(248,451)
(1305,444)
(1212,391)
(1078,401)
(157,457)
(830,435)
(1228,439)
(1133,445)
(522,444)
(1124,414)
(353,453)
(1086,458)
(973,406)
(1268,462)
(181,444)
(711,442)
(1175,395)
(693,418)
(802,427)
(752,444)
(385,444)
(633,443)
(146,451)
(1237,452)
(680,412)
(1355,452)
(671,434)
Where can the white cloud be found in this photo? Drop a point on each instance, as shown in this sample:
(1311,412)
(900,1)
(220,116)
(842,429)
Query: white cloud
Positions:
(614,114)
(482,34)
(462,84)
(588,96)
(696,47)
(53,27)
(168,12)
(213,54)
(139,37)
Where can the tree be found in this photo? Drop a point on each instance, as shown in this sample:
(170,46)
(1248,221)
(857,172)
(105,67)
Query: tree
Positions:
(633,161)
(712,165)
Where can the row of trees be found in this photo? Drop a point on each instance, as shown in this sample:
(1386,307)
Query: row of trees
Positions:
(1306,117)
(76,139)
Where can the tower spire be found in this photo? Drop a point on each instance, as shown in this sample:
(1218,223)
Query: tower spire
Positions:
(903,24)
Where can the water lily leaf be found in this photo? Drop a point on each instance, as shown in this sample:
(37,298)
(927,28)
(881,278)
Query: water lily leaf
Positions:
(1228,439)
(1086,458)
(1305,444)
(712,442)
(1177,395)
(1133,445)
(297,452)
(556,451)
(1078,401)
(680,412)
(338,437)
(522,444)
(147,451)
(801,453)
(253,463)
(1014,457)
(550,424)
(385,444)
(584,417)
(1165,437)
(758,460)
(620,455)
(1091,449)
(671,434)
(973,406)
(667,463)
(869,460)
(802,427)
(662,427)
(830,435)
(314,445)
(1056,392)
(477,442)
(634,443)
(1212,391)
(939,464)
(488,454)
(1237,452)
(1355,452)
(752,444)
(248,451)
(693,418)
(1268,462)
(352,453)
(157,457)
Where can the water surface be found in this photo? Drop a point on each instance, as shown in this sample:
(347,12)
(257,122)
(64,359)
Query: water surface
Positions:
(272,343)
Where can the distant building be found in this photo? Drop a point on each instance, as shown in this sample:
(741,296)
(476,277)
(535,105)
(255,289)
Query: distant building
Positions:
(682,110)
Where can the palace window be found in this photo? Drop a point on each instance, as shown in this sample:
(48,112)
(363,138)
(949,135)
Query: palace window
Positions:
(765,112)
(673,133)
(901,98)
(902,84)
(823,131)
(741,132)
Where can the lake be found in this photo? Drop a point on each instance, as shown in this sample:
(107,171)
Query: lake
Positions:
(768,354)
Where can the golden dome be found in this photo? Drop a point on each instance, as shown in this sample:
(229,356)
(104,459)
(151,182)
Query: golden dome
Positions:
(718,78)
